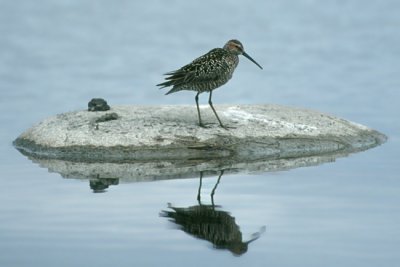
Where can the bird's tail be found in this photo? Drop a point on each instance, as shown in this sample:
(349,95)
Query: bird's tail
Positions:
(165,84)
(175,79)
(170,83)
(173,90)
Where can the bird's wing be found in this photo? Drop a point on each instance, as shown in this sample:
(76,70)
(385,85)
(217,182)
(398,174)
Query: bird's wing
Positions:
(206,68)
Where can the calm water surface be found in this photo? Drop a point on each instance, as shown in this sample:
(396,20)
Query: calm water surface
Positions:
(338,57)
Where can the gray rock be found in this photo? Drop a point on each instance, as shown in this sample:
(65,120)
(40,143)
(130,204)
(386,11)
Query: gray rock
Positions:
(98,104)
(154,142)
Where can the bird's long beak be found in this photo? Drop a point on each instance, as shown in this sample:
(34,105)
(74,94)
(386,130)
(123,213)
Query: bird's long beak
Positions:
(252,60)
(256,235)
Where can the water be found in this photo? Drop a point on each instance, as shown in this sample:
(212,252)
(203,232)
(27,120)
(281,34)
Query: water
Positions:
(339,57)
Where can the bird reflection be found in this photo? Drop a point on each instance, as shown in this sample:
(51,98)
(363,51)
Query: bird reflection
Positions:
(212,191)
(211,223)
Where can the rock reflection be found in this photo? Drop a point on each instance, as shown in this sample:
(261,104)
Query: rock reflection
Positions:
(211,223)
(101,184)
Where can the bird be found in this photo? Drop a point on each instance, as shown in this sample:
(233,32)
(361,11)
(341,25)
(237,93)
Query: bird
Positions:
(206,73)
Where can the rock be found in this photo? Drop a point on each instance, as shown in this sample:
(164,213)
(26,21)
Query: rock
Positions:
(146,142)
(98,104)
(100,185)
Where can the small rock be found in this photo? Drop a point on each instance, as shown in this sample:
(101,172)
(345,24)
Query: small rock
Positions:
(100,185)
(98,104)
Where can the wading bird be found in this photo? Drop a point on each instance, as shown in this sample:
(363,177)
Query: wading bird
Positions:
(207,73)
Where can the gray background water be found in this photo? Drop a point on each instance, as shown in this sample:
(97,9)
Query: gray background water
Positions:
(338,57)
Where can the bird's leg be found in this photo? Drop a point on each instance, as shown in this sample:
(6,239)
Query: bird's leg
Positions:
(198,109)
(213,109)
(199,191)
(215,187)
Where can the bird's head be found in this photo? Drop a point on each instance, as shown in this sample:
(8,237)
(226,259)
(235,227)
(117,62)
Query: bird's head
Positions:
(236,47)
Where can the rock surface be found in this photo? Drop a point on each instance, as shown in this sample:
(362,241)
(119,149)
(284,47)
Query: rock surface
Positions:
(166,140)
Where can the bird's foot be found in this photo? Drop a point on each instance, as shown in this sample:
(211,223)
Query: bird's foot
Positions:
(226,127)
(211,125)
(202,125)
